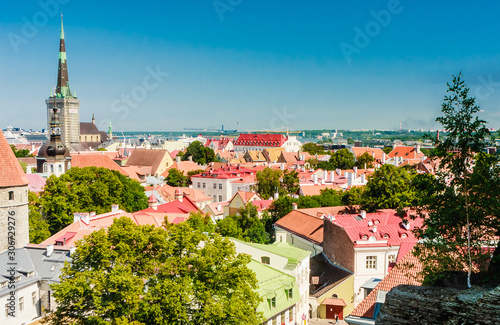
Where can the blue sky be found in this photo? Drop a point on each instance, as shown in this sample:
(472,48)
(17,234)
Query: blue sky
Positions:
(166,65)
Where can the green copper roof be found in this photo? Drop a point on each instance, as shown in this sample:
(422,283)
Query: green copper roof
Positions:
(294,254)
(274,284)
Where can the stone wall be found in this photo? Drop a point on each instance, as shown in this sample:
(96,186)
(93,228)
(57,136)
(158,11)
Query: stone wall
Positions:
(337,246)
(406,304)
(14,214)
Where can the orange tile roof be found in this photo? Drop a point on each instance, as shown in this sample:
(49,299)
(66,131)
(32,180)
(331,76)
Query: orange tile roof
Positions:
(376,153)
(167,192)
(405,272)
(246,196)
(11,172)
(97,160)
(406,152)
(303,225)
(309,190)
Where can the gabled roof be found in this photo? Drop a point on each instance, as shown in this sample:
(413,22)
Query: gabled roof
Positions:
(11,173)
(254,156)
(405,272)
(273,154)
(288,157)
(310,190)
(262,204)
(303,225)
(88,128)
(272,283)
(185,206)
(246,196)
(167,193)
(97,160)
(376,153)
(147,157)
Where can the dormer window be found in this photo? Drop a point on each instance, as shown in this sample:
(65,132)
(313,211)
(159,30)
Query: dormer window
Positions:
(3,284)
(30,274)
(18,278)
(386,236)
(265,260)
(365,237)
(404,235)
(290,293)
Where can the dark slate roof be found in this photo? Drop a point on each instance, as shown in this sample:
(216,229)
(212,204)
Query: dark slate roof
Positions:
(104,136)
(88,128)
(324,275)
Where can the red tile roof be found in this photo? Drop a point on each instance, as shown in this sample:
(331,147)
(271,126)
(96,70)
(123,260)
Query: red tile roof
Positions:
(225,172)
(36,182)
(263,140)
(167,192)
(186,206)
(405,272)
(377,229)
(11,173)
(97,160)
(262,204)
(245,196)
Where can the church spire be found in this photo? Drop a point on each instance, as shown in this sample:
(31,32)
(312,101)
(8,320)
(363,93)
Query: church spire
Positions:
(62,89)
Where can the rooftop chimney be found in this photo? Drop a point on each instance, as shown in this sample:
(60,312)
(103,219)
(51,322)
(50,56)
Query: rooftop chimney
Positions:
(406,224)
(374,229)
(363,178)
(114,207)
(370,223)
(338,171)
(363,214)
(332,176)
(178,159)
(315,179)
(219,207)
(294,206)
(85,218)
(50,250)
(355,169)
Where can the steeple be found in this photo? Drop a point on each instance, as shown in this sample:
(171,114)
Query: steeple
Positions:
(62,89)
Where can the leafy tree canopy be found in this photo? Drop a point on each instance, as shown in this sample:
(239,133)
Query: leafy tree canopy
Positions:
(388,188)
(88,189)
(268,182)
(176,177)
(460,205)
(39,228)
(200,154)
(20,153)
(343,159)
(363,159)
(133,274)
(245,226)
(313,149)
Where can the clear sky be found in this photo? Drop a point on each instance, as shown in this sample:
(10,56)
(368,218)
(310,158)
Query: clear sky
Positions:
(326,64)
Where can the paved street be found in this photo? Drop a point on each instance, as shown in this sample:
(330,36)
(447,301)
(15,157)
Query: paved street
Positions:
(318,321)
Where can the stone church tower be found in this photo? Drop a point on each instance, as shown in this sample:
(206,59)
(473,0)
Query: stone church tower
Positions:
(13,200)
(64,101)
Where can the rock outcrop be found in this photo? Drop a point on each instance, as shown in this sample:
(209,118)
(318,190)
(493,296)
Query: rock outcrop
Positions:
(433,305)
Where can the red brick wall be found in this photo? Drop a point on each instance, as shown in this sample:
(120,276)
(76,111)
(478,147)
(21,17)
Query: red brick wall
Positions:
(337,246)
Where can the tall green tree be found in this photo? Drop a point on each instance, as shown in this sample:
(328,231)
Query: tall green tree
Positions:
(268,182)
(290,181)
(245,226)
(133,274)
(389,187)
(313,148)
(460,206)
(363,159)
(39,228)
(200,154)
(176,177)
(343,159)
(88,189)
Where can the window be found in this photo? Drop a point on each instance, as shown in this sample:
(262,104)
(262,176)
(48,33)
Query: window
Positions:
(237,204)
(204,185)
(11,195)
(391,258)
(282,318)
(215,198)
(265,260)
(220,198)
(371,262)
(290,314)
(215,186)
(33,297)
(21,304)
(199,184)
(274,321)
(220,186)
(290,293)
(273,302)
